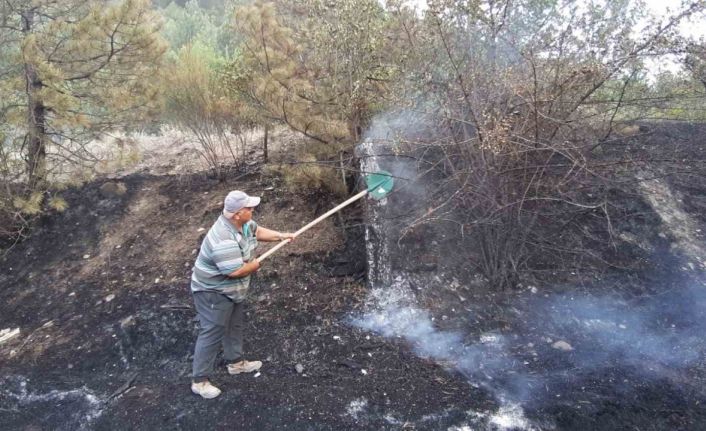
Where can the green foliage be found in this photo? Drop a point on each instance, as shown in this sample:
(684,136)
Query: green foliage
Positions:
(674,96)
(196,102)
(346,46)
(317,67)
(87,66)
(695,62)
(321,67)
(194,25)
(195,82)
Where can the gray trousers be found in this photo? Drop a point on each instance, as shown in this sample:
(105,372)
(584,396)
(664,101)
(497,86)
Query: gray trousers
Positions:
(220,322)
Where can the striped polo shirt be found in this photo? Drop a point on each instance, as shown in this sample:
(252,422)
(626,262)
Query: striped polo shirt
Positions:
(223,251)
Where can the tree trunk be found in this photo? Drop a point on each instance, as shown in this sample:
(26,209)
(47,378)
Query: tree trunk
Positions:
(264,143)
(36,117)
(37,151)
(355,120)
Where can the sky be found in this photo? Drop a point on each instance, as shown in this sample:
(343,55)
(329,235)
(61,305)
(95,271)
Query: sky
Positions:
(662,8)
(695,27)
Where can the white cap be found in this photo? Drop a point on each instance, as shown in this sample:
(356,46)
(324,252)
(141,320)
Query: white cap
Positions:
(237,200)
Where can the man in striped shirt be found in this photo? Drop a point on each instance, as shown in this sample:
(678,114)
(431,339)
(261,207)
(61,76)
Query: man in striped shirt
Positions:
(219,285)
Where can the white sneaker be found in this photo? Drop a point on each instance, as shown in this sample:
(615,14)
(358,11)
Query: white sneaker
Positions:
(244,367)
(205,389)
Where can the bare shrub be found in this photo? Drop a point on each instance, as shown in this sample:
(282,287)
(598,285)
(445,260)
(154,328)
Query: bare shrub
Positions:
(525,99)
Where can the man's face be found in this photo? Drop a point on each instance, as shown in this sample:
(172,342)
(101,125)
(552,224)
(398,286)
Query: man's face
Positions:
(244,215)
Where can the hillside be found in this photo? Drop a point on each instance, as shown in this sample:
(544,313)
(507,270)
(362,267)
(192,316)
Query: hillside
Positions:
(100,295)
(98,302)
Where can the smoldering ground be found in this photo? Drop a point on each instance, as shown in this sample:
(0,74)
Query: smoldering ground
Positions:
(559,348)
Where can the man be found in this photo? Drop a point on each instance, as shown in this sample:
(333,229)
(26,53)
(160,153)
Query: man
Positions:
(219,285)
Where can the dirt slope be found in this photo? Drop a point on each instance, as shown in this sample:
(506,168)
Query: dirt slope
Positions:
(100,294)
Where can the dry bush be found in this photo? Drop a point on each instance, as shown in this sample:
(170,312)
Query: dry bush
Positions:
(306,169)
(524,99)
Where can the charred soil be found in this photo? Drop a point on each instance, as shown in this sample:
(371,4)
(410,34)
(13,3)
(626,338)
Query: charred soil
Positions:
(101,296)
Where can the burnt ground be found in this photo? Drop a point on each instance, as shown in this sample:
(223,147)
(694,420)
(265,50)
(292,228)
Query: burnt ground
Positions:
(579,346)
(100,295)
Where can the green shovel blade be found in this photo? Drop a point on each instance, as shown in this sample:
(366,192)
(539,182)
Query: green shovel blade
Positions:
(379,184)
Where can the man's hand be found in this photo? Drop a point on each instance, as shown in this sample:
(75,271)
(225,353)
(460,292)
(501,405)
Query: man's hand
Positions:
(269,235)
(252,266)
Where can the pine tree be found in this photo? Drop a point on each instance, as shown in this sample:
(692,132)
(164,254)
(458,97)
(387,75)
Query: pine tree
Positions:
(70,70)
(320,68)
(317,66)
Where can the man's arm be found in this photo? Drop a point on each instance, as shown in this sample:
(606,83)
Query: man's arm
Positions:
(268,235)
(246,269)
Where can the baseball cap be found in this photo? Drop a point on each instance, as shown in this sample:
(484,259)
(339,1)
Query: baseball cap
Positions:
(237,200)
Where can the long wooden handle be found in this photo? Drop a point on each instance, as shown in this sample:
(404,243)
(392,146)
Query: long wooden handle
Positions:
(308,226)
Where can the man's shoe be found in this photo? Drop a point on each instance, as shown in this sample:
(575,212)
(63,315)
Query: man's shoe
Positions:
(205,389)
(244,367)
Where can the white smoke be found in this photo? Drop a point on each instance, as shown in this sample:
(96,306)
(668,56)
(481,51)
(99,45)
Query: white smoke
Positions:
(82,406)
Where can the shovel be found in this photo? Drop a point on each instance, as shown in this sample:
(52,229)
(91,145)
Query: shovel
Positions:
(379,184)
